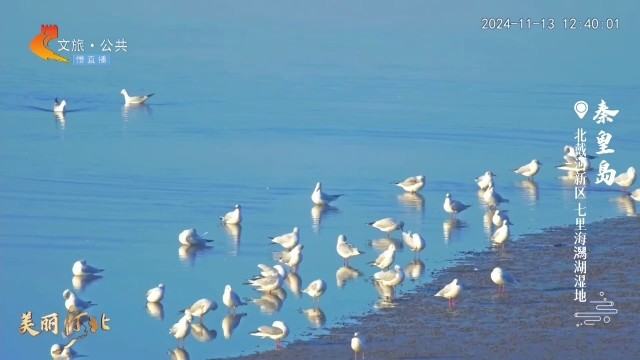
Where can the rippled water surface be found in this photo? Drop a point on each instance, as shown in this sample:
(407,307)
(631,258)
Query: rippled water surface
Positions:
(254,104)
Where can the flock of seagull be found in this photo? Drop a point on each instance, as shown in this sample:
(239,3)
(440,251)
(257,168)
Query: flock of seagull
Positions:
(271,278)
(60,107)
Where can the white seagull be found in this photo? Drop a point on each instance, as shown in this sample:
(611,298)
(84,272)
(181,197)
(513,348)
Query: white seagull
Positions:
(484,180)
(74,304)
(492,198)
(635,195)
(292,258)
(499,216)
(182,328)
(232,218)
(134,100)
(58,107)
(320,198)
(191,237)
(412,184)
(386,258)
(453,207)
(287,241)
(59,351)
(571,151)
(387,225)
(231,299)
(502,277)
(80,268)
(156,294)
(358,345)
(414,241)
(346,250)
(277,331)
(575,164)
(501,235)
(200,308)
(627,179)
(316,289)
(268,271)
(391,278)
(266,284)
(451,292)
(530,170)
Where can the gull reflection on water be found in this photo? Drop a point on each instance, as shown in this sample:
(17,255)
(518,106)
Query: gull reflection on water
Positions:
(188,253)
(179,354)
(60,120)
(570,179)
(413,202)
(81,282)
(625,205)
(450,226)
(415,269)
(130,110)
(383,244)
(201,333)
(318,212)
(293,281)
(487,222)
(385,293)
(346,274)
(155,310)
(269,303)
(530,188)
(234,232)
(316,317)
(230,323)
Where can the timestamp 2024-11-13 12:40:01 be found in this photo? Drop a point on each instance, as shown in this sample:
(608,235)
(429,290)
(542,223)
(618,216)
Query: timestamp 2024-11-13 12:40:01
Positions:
(550,23)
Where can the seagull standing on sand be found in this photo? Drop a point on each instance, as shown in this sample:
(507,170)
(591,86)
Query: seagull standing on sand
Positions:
(499,216)
(346,250)
(387,225)
(58,107)
(287,241)
(530,170)
(80,268)
(492,198)
(627,179)
(316,289)
(484,180)
(231,299)
(320,198)
(292,258)
(358,345)
(635,195)
(191,237)
(156,294)
(501,235)
(412,184)
(277,331)
(200,308)
(134,100)
(502,277)
(232,218)
(182,328)
(415,242)
(454,207)
(386,258)
(391,278)
(451,292)
(74,304)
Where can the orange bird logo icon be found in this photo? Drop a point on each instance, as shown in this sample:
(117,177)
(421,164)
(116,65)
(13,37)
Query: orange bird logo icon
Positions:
(40,44)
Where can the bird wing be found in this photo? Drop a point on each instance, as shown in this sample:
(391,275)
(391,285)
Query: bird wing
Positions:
(456,205)
(621,178)
(381,258)
(266,270)
(508,277)
(383,223)
(444,290)
(523,169)
(408,239)
(410,181)
(385,275)
(149,292)
(91,269)
(313,286)
(270,330)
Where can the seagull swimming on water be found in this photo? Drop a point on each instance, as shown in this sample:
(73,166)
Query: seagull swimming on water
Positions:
(635,195)
(80,268)
(134,100)
(191,237)
(232,218)
(156,294)
(412,184)
(320,198)
(58,107)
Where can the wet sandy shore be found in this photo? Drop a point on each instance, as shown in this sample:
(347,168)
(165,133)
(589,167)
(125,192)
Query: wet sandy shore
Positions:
(532,320)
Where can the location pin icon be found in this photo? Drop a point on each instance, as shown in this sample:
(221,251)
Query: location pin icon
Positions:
(581,108)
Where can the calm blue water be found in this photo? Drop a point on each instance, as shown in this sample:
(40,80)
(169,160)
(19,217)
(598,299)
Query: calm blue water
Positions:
(257,101)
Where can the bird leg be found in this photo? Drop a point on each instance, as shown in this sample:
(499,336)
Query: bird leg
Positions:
(388,235)
(201,319)
(355,355)
(363,355)
(234,311)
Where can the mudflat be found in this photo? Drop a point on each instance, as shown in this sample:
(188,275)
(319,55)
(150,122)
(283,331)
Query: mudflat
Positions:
(530,320)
